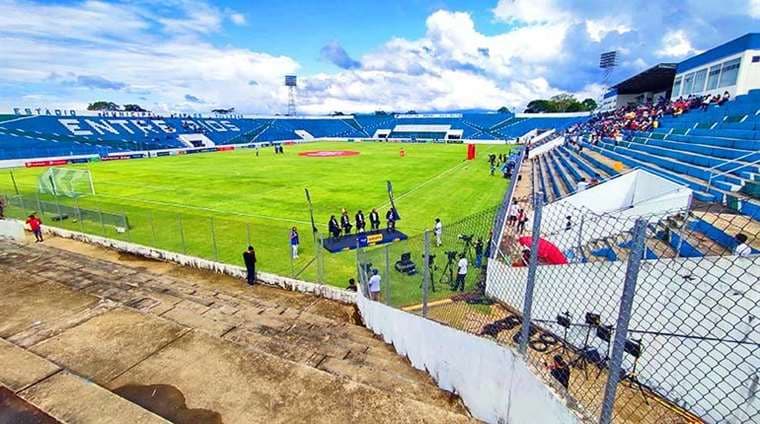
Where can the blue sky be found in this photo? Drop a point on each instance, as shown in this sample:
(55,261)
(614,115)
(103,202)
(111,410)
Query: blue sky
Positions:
(358,56)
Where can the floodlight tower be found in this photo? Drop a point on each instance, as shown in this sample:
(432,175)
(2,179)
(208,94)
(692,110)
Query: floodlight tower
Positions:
(291,81)
(607,62)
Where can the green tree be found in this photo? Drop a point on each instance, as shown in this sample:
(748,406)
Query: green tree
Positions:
(103,105)
(589,104)
(503,109)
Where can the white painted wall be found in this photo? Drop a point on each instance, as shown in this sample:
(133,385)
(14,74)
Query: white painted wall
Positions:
(713,302)
(11,229)
(494,382)
(611,208)
(747,79)
(545,147)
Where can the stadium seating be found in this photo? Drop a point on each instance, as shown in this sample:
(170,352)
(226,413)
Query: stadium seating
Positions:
(715,152)
(35,136)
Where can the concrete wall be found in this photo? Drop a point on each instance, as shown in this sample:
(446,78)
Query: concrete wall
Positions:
(320,290)
(11,229)
(494,382)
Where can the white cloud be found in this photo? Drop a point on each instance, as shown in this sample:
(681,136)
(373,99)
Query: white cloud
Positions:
(68,54)
(598,29)
(238,18)
(754,8)
(676,44)
(99,46)
(529,11)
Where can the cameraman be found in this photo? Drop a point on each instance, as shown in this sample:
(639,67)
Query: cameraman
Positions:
(479,253)
(461,273)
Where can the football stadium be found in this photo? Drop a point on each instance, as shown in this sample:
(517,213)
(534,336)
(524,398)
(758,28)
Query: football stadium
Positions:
(268,258)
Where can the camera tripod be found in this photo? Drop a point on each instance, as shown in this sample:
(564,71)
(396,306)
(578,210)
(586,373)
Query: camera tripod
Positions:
(432,267)
(581,360)
(632,378)
(467,249)
(447,276)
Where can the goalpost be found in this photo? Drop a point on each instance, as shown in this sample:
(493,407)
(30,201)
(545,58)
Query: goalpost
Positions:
(66,182)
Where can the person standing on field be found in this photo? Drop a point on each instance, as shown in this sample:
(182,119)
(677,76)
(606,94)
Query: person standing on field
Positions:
(374,220)
(438,231)
(374,286)
(294,242)
(35,225)
(249,258)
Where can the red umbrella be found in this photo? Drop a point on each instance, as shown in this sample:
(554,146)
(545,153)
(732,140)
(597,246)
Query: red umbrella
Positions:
(548,253)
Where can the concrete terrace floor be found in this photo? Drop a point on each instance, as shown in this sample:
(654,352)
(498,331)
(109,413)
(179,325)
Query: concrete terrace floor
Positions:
(89,335)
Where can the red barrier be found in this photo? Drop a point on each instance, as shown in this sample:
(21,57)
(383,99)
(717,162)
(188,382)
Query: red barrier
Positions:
(470,151)
(225,148)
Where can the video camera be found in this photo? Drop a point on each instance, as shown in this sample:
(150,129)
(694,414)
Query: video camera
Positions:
(467,238)
(452,254)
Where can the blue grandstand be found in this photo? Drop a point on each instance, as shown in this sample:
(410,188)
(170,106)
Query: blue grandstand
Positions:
(40,136)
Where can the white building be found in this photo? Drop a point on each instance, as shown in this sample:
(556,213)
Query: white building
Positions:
(733,67)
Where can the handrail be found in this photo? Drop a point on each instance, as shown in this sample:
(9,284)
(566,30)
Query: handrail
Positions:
(709,180)
(732,160)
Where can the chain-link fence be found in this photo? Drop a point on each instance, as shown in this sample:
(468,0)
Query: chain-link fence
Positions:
(455,255)
(218,238)
(638,317)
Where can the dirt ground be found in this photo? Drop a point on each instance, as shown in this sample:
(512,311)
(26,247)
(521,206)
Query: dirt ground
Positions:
(96,336)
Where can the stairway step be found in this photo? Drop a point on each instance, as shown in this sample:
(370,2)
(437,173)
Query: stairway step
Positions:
(72,399)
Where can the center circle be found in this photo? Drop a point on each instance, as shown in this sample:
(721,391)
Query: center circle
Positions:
(328,153)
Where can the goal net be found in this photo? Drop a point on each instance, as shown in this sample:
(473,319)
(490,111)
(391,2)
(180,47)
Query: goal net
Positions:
(66,182)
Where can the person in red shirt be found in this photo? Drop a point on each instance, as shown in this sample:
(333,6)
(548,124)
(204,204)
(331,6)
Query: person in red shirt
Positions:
(35,224)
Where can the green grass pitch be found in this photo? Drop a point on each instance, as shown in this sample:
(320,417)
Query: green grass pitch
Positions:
(212,204)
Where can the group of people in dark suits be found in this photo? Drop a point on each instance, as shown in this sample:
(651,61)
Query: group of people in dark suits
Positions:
(345,226)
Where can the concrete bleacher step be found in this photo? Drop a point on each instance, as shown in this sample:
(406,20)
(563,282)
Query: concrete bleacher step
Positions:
(565,178)
(61,394)
(702,161)
(694,183)
(583,164)
(258,323)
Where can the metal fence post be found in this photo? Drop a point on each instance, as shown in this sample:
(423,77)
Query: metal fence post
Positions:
(387,297)
(58,208)
(153,228)
(580,237)
(624,317)
(213,239)
(318,253)
(79,214)
(39,205)
(531,280)
(126,226)
(181,234)
(426,272)
(13,180)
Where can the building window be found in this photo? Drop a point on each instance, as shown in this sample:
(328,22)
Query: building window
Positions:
(688,83)
(699,81)
(676,87)
(755,59)
(729,73)
(712,78)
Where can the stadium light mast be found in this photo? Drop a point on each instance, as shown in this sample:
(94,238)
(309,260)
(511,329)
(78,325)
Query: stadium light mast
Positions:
(291,81)
(608,62)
